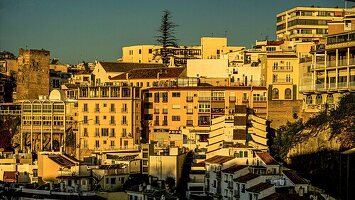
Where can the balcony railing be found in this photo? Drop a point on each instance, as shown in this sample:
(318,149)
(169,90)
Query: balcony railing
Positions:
(189,99)
(282,68)
(203,123)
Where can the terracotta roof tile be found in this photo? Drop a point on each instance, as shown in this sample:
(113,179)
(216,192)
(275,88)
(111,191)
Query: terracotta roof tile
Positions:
(60,160)
(259,187)
(267,158)
(294,177)
(279,196)
(124,66)
(234,168)
(219,159)
(246,178)
(151,73)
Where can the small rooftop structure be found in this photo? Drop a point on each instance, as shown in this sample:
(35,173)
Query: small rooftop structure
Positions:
(267,158)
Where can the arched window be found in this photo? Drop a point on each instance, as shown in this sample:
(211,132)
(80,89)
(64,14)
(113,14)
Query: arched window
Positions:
(288,94)
(330,99)
(309,99)
(275,93)
(319,99)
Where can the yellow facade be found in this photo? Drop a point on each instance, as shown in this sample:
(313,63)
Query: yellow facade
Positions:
(109,118)
(171,109)
(330,74)
(306,23)
(210,48)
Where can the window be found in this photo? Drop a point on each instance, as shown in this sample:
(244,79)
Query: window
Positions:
(288,93)
(97,144)
(204,107)
(176,94)
(112,120)
(113,132)
(124,107)
(288,78)
(85,134)
(97,120)
(203,120)
(156,97)
(140,51)
(275,93)
(309,99)
(245,97)
(85,121)
(150,51)
(319,99)
(104,131)
(176,118)
(97,132)
(124,120)
(245,154)
(85,109)
(165,96)
(113,181)
(112,108)
(274,78)
(165,121)
(35,172)
(124,132)
(189,122)
(330,99)
(97,107)
(85,144)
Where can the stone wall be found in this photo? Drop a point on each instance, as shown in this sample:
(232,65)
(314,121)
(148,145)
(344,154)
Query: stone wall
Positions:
(33,74)
(281,111)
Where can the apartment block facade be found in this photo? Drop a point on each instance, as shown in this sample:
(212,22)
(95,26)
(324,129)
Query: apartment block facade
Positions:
(169,109)
(109,118)
(306,23)
(330,74)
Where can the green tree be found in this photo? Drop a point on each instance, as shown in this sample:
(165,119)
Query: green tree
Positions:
(166,37)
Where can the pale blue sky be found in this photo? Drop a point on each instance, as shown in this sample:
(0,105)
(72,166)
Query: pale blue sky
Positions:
(76,30)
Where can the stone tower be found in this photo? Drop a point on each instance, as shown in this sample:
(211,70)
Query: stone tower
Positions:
(33,74)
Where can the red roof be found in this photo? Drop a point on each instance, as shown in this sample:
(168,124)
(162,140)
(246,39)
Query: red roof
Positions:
(151,73)
(246,178)
(234,168)
(294,177)
(267,158)
(219,159)
(10,176)
(259,187)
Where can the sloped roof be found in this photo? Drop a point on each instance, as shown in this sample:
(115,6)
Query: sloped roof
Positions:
(10,176)
(151,73)
(219,159)
(60,160)
(267,158)
(234,168)
(246,178)
(125,66)
(259,187)
(279,196)
(294,177)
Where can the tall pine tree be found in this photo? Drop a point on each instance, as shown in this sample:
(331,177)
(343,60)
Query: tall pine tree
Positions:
(166,37)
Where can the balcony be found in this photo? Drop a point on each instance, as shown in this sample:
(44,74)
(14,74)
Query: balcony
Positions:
(217,110)
(283,81)
(156,122)
(218,174)
(204,123)
(204,98)
(342,85)
(207,175)
(165,122)
(124,110)
(123,122)
(217,98)
(156,111)
(230,185)
(282,69)
(189,99)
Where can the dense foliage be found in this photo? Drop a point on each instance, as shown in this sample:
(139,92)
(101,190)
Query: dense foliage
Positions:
(166,37)
(339,121)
